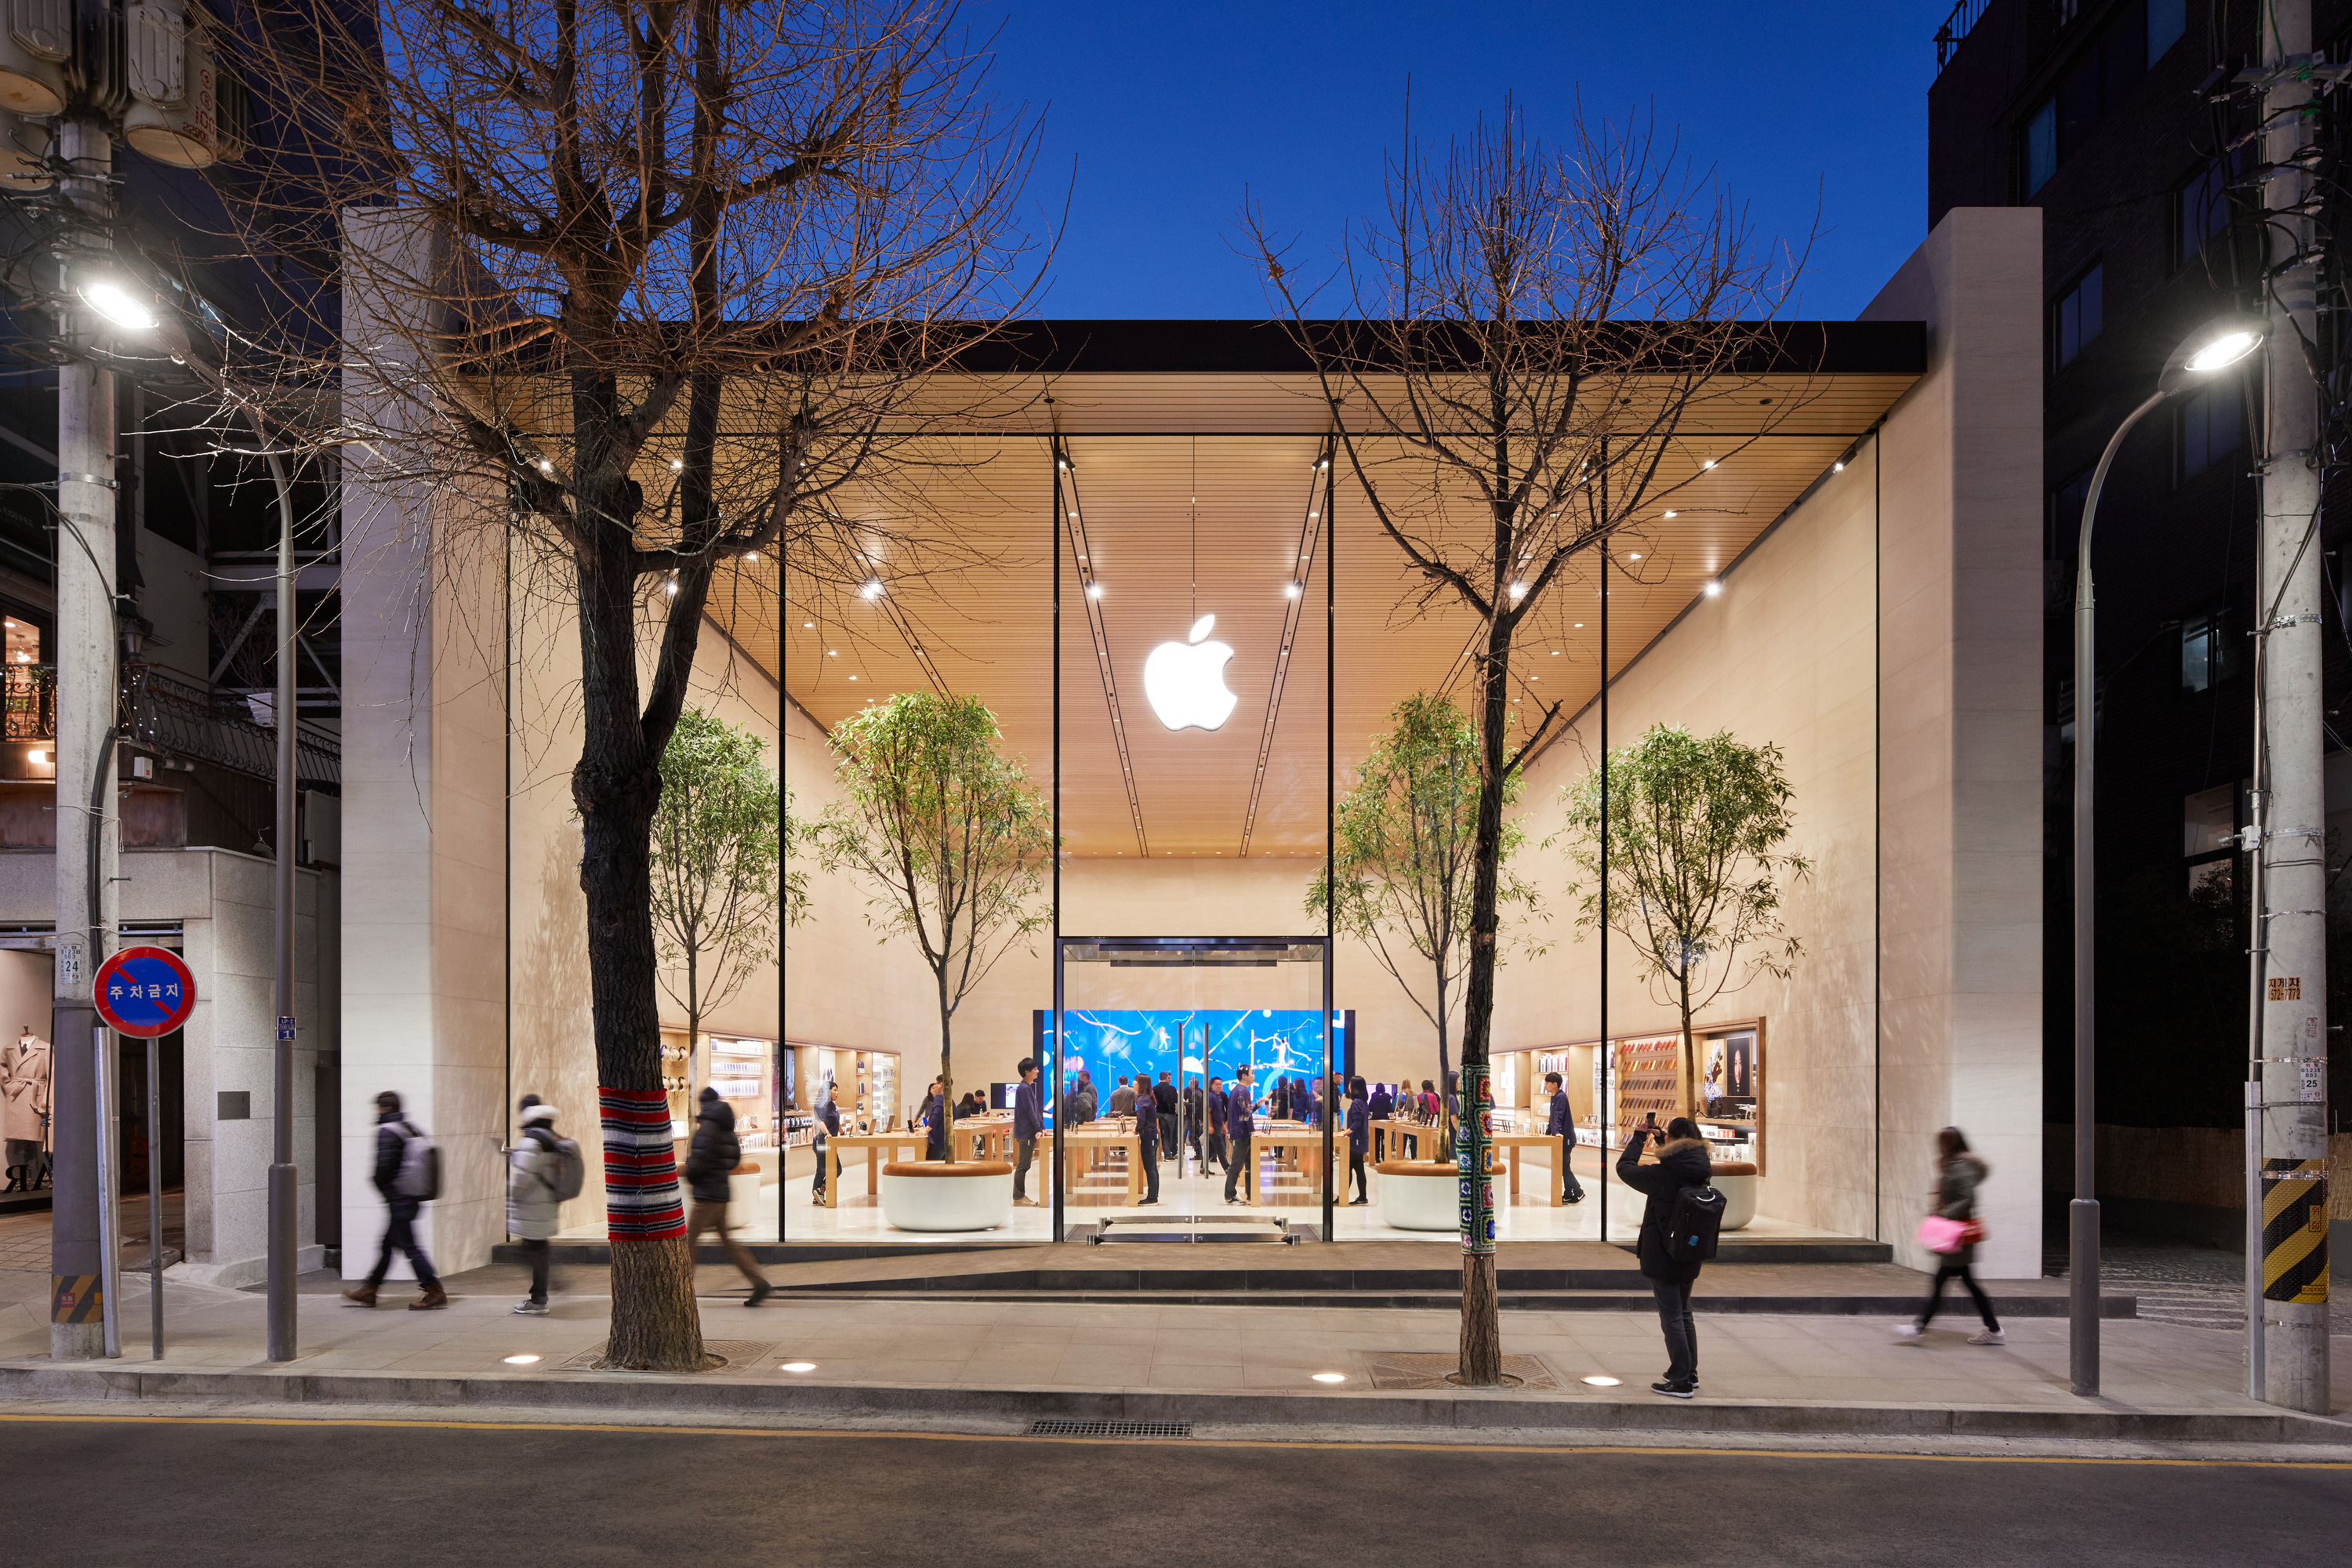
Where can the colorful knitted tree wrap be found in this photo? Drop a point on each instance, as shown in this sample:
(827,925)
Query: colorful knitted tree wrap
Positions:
(641,1198)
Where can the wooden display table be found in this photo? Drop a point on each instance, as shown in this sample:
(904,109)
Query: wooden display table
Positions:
(881,1148)
(1305,1144)
(991,1136)
(1550,1140)
(1424,1133)
(1083,1148)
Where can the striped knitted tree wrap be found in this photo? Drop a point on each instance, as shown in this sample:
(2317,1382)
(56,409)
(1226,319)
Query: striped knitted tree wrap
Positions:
(640,1197)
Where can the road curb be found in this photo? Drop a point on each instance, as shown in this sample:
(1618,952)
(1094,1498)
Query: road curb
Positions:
(718,1396)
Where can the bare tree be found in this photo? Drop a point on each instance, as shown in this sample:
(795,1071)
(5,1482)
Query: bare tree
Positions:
(1524,337)
(645,295)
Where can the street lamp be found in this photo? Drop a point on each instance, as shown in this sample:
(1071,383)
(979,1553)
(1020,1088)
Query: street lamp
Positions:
(2205,353)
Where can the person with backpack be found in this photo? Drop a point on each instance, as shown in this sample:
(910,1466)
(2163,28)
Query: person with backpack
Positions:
(1360,1138)
(542,1172)
(710,1159)
(1958,1174)
(408,1174)
(1678,1233)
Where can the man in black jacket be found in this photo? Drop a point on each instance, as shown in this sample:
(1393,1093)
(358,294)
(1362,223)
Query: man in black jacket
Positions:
(710,1159)
(1682,1163)
(1163,1095)
(1028,1121)
(393,1132)
(1562,1126)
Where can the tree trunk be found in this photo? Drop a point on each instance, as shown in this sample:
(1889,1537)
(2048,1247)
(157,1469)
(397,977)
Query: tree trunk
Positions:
(1690,1051)
(1482,1328)
(617,786)
(947,1080)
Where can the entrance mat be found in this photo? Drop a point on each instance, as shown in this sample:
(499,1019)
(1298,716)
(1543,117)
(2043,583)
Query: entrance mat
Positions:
(733,1354)
(1422,1369)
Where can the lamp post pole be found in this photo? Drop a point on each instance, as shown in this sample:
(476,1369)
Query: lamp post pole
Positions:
(2204,353)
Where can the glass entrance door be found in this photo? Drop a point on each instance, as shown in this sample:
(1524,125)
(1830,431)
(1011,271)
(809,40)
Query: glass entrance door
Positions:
(1224,1046)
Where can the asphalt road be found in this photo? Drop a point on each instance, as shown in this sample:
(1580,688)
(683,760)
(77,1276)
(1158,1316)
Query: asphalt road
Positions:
(115,1493)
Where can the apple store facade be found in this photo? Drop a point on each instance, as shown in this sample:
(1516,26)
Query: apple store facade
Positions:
(1157,567)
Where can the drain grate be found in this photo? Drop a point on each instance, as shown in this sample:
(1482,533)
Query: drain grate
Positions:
(733,1355)
(1111,1428)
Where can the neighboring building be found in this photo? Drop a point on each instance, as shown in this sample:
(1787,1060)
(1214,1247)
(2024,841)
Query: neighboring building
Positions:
(2102,114)
(196,532)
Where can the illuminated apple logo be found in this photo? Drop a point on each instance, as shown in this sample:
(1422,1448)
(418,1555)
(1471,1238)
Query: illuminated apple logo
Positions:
(1186,681)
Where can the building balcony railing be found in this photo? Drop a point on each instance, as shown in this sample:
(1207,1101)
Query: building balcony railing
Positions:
(1965,15)
(173,717)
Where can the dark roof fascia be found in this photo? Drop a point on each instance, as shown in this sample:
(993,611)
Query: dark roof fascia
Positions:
(1272,348)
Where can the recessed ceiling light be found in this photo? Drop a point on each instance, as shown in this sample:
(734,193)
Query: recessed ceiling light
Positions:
(1555,653)
(1714,590)
(675,467)
(520,1360)
(1670,515)
(1330,1377)
(1708,464)
(872,590)
(853,677)
(1635,556)
(1579,626)
(1094,590)
(1602,1382)
(833,653)
(798,1366)
(808,625)
(1290,591)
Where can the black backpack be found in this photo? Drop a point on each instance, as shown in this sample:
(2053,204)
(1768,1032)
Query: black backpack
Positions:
(1696,1222)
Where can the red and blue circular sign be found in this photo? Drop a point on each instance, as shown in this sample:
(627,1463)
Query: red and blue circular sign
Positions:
(144,992)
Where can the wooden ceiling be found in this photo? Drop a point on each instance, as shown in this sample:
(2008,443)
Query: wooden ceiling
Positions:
(1196,493)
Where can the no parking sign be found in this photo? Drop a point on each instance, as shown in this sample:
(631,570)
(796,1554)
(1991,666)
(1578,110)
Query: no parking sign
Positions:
(144,992)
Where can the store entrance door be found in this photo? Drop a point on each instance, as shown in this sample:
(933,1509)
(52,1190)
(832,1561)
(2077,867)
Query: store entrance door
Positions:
(1225,1047)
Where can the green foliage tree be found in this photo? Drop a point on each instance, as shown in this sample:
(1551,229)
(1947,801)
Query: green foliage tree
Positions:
(951,832)
(1403,860)
(716,848)
(1696,867)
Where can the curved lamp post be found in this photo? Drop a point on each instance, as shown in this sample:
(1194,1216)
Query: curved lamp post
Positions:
(2204,355)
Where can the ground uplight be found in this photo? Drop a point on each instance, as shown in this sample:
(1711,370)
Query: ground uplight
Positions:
(1330,1377)
(520,1360)
(1601,1381)
(800,1366)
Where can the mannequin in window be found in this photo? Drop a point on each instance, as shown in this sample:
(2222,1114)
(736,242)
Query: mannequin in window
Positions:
(25,1109)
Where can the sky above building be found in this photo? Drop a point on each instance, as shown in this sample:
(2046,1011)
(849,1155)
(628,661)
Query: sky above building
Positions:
(1160,120)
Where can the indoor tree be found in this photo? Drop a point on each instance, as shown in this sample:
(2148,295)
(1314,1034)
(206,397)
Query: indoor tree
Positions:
(1695,830)
(1523,338)
(1403,857)
(635,303)
(951,833)
(796,892)
(715,849)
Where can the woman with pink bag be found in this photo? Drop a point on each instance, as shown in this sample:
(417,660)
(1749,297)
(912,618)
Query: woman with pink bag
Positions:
(1952,1231)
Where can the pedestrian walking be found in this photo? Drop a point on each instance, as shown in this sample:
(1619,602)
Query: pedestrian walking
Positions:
(1562,1126)
(1028,1121)
(1360,1138)
(828,1125)
(542,1170)
(1146,1138)
(408,1175)
(1241,1110)
(710,1159)
(1682,1165)
(1958,1175)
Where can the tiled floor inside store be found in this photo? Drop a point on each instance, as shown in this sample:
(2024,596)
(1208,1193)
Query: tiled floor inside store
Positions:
(858,1217)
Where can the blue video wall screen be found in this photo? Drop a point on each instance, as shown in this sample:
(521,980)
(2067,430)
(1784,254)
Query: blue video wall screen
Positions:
(1111,1043)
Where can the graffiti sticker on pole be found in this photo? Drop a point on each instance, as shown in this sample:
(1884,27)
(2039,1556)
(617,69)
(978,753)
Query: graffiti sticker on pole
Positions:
(144,992)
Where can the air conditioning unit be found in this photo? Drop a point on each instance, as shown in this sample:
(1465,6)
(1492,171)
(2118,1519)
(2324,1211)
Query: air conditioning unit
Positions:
(205,124)
(34,48)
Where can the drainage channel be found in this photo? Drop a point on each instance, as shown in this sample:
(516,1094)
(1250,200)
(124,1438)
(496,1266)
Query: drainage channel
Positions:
(1111,1428)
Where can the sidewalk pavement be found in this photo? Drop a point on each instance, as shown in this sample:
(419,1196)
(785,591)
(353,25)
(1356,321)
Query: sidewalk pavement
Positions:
(1100,1361)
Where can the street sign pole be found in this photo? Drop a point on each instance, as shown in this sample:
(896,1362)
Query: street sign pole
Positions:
(144,993)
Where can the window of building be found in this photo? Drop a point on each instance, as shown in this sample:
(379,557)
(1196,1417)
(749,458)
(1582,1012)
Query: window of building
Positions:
(2167,20)
(2208,427)
(2097,81)
(2075,319)
(2209,824)
(2207,656)
(2201,212)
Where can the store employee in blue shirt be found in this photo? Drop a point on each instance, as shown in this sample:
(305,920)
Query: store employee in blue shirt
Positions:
(1241,1126)
(1562,1126)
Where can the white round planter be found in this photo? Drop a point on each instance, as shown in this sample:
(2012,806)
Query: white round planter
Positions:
(1418,1196)
(971,1194)
(1737,1184)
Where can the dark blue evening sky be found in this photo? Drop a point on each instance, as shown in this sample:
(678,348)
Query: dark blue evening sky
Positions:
(1160,118)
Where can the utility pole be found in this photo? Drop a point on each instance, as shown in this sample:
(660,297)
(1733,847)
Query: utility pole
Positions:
(88,832)
(2289,1152)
